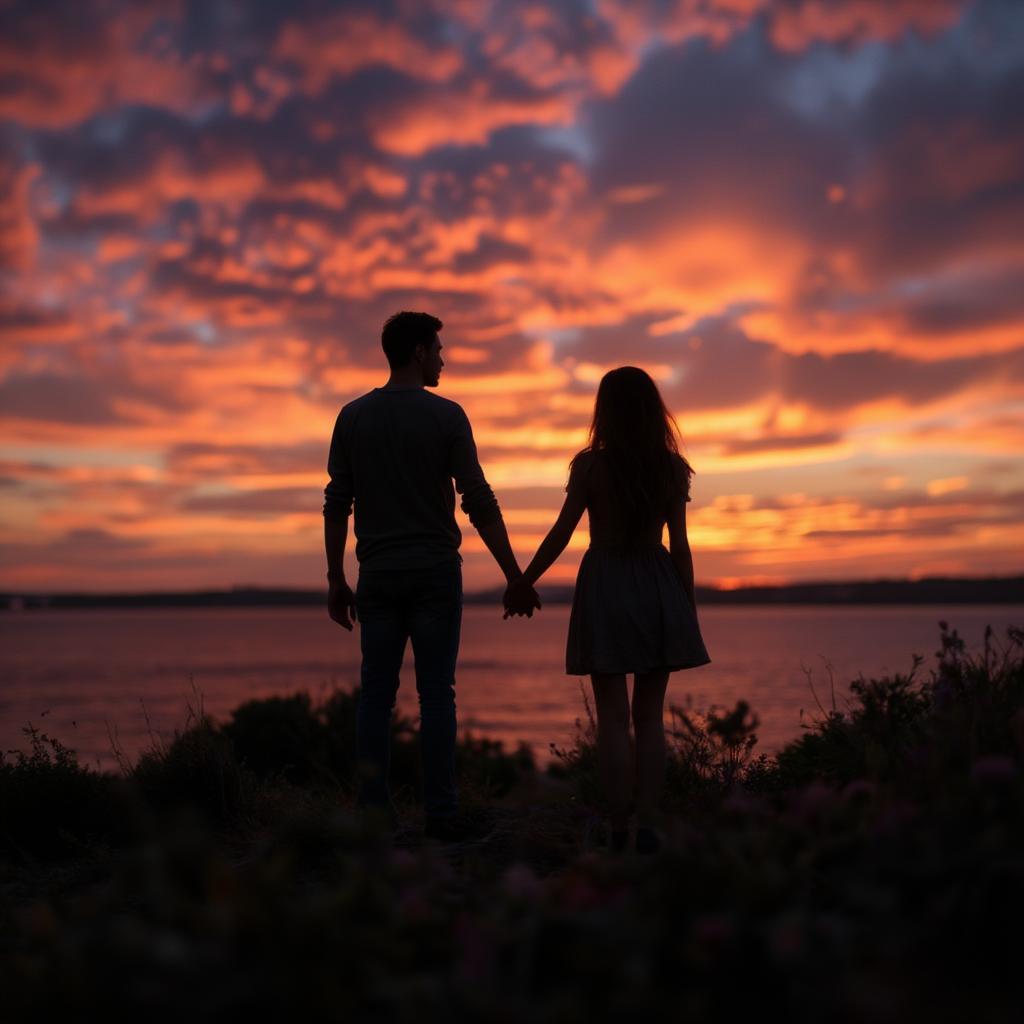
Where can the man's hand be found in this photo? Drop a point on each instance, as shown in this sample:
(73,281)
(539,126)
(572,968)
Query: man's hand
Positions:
(341,603)
(520,599)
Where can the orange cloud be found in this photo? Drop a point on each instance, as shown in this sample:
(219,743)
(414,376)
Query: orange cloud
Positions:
(794,26)
(468,114)
(791,26)
(538,46)
(19,234)
(215,172)
(60,72)
(343,43)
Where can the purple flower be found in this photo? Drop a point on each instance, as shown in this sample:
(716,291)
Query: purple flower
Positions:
(713,930)
(786,937)
(743,804)
(476,957)
(993,770)
(403,862)
(520,883)
(893,819)
(859,790)
(812,801)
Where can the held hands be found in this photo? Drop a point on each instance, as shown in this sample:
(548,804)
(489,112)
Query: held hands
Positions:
(520,598)
(341,603)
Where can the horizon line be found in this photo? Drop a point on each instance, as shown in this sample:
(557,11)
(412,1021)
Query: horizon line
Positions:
(493,591)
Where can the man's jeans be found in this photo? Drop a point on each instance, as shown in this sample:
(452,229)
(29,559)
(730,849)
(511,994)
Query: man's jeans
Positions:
(424,605)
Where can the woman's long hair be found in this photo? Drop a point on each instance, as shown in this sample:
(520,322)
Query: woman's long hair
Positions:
(638,438)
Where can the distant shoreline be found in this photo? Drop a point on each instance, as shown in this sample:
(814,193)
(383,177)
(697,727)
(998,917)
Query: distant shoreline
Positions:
(928,591)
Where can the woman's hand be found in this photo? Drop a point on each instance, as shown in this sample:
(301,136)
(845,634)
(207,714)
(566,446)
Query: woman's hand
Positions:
(520,598)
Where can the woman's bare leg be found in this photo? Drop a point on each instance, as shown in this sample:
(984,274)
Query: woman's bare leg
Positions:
(614,754)
(649,727)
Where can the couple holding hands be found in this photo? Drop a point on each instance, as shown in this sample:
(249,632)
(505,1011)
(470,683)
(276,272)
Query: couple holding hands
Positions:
(394,455)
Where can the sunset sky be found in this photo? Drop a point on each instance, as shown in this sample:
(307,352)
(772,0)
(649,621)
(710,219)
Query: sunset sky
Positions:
(804,218)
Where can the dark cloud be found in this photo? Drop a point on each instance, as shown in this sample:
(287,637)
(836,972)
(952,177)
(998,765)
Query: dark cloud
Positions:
(944,156)
(78,549)
(849,379)
(996,506)
(55,397)
(980,502)
(24,469)
(24,325)
(854,378)
(262,502)
(719,366)
(199,460)
(78,399)
(94,539)
(921,174)
(967,304)
(67,60)
(490,252)
(707,127)
(947,529)
(779,444)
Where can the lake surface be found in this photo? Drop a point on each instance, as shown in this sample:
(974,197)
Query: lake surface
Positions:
(86,675)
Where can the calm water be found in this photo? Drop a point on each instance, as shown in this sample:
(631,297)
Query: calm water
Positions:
(85,675)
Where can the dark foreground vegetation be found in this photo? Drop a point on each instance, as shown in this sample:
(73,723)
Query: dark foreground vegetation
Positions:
(873,870)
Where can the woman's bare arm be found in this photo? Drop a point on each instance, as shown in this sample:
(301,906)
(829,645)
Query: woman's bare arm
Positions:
(679,545)
(558,536)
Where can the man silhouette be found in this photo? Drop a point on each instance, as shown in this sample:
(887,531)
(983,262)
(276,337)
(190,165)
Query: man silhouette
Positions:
(394,454)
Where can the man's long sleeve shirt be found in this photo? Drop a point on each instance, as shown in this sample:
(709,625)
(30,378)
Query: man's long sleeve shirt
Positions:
(395,454)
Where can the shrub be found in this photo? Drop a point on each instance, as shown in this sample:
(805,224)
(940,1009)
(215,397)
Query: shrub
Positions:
(51,807)
(281,736)
(903,730)
(707,754)
(198,770)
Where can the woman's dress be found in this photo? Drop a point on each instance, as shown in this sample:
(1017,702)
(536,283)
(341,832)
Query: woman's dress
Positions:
(630,612)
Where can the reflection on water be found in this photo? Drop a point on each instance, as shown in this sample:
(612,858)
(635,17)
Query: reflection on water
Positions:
(74,673)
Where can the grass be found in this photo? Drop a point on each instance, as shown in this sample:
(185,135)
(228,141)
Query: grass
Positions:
(871,870)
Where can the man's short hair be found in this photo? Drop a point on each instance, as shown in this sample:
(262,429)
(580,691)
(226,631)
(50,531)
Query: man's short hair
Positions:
(403,332)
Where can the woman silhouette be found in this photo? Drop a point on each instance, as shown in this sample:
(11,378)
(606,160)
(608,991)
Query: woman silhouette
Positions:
(633,609)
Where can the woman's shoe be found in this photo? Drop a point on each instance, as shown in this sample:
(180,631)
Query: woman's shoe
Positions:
(647,840)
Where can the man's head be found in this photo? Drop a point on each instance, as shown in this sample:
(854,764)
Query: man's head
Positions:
(410,339)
